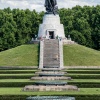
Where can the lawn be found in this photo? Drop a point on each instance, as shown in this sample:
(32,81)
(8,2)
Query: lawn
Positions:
(18,91)
(11,88)
(25,55)
(77,55)
(73,80)
(28,55)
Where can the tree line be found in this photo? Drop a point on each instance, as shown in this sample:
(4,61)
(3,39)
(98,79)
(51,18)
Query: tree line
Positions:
(17,26)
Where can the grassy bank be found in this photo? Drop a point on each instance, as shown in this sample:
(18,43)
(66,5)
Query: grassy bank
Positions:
(12,84)
(77,55)
(18,91)
(25,55)
(28,55)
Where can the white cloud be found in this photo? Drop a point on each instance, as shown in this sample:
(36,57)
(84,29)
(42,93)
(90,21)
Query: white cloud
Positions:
(72,3)
(11,3)
(39,4)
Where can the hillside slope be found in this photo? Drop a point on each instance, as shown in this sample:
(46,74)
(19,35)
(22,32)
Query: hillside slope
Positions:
(77,55)
(25,55)
(28,55)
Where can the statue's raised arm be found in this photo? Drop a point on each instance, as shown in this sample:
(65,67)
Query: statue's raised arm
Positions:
(51,6)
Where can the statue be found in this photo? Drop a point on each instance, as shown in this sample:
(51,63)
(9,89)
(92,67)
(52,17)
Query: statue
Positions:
(51,6)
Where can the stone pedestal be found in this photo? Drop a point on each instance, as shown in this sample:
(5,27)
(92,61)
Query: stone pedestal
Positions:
(51,26)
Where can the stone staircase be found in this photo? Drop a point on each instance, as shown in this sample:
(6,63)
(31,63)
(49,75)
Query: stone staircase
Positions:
(50,76)
(51,57)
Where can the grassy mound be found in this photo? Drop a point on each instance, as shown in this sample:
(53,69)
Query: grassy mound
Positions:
(25,55)
(77,55)
(28,55)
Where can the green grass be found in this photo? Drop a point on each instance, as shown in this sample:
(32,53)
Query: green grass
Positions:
(16,74)
(18,91)
(77,55)
(28,55)
(28,80)
(25,55)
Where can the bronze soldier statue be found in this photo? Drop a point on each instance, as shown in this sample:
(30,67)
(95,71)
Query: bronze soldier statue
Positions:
(51,6)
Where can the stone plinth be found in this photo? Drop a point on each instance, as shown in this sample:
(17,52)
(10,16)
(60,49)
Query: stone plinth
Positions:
(51,78)
(51,23)
(50,98)
(51,69)
(50,88)
(49,72)
(54,75)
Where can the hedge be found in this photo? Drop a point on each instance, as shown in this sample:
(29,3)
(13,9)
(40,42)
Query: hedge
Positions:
(15,84)
(84,76)
(83,68)
(33,71)
(16,72)
(16,77)
(29,76)
(86,85)
(22,84)
(17,68)
(84,72)
(23,97)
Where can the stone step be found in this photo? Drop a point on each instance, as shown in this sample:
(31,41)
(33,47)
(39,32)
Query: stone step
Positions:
(48,75)
(51,78)
(56,42)
(51,53)
(48,48)
(50,40)
(51,57)
(51,62)
(49,68)
(54,65)
(51,50)
(51,88)
(45,72)
(51,44)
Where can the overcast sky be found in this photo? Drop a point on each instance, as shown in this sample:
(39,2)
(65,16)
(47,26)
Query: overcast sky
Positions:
(39,4)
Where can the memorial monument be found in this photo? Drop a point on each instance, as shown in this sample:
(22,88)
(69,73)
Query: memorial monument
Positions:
(51,26)
(51,77)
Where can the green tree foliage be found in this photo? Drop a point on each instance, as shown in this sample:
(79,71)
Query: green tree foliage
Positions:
(17,26)
(7,31)
(83,24)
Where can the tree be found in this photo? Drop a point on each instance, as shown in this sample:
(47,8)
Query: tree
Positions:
(78,37)
(8,30)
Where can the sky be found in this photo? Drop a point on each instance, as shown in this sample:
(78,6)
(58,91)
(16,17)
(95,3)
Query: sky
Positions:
(38,5)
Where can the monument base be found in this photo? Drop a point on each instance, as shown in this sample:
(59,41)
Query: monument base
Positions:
(51,27)
(31,88)
(50,98)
